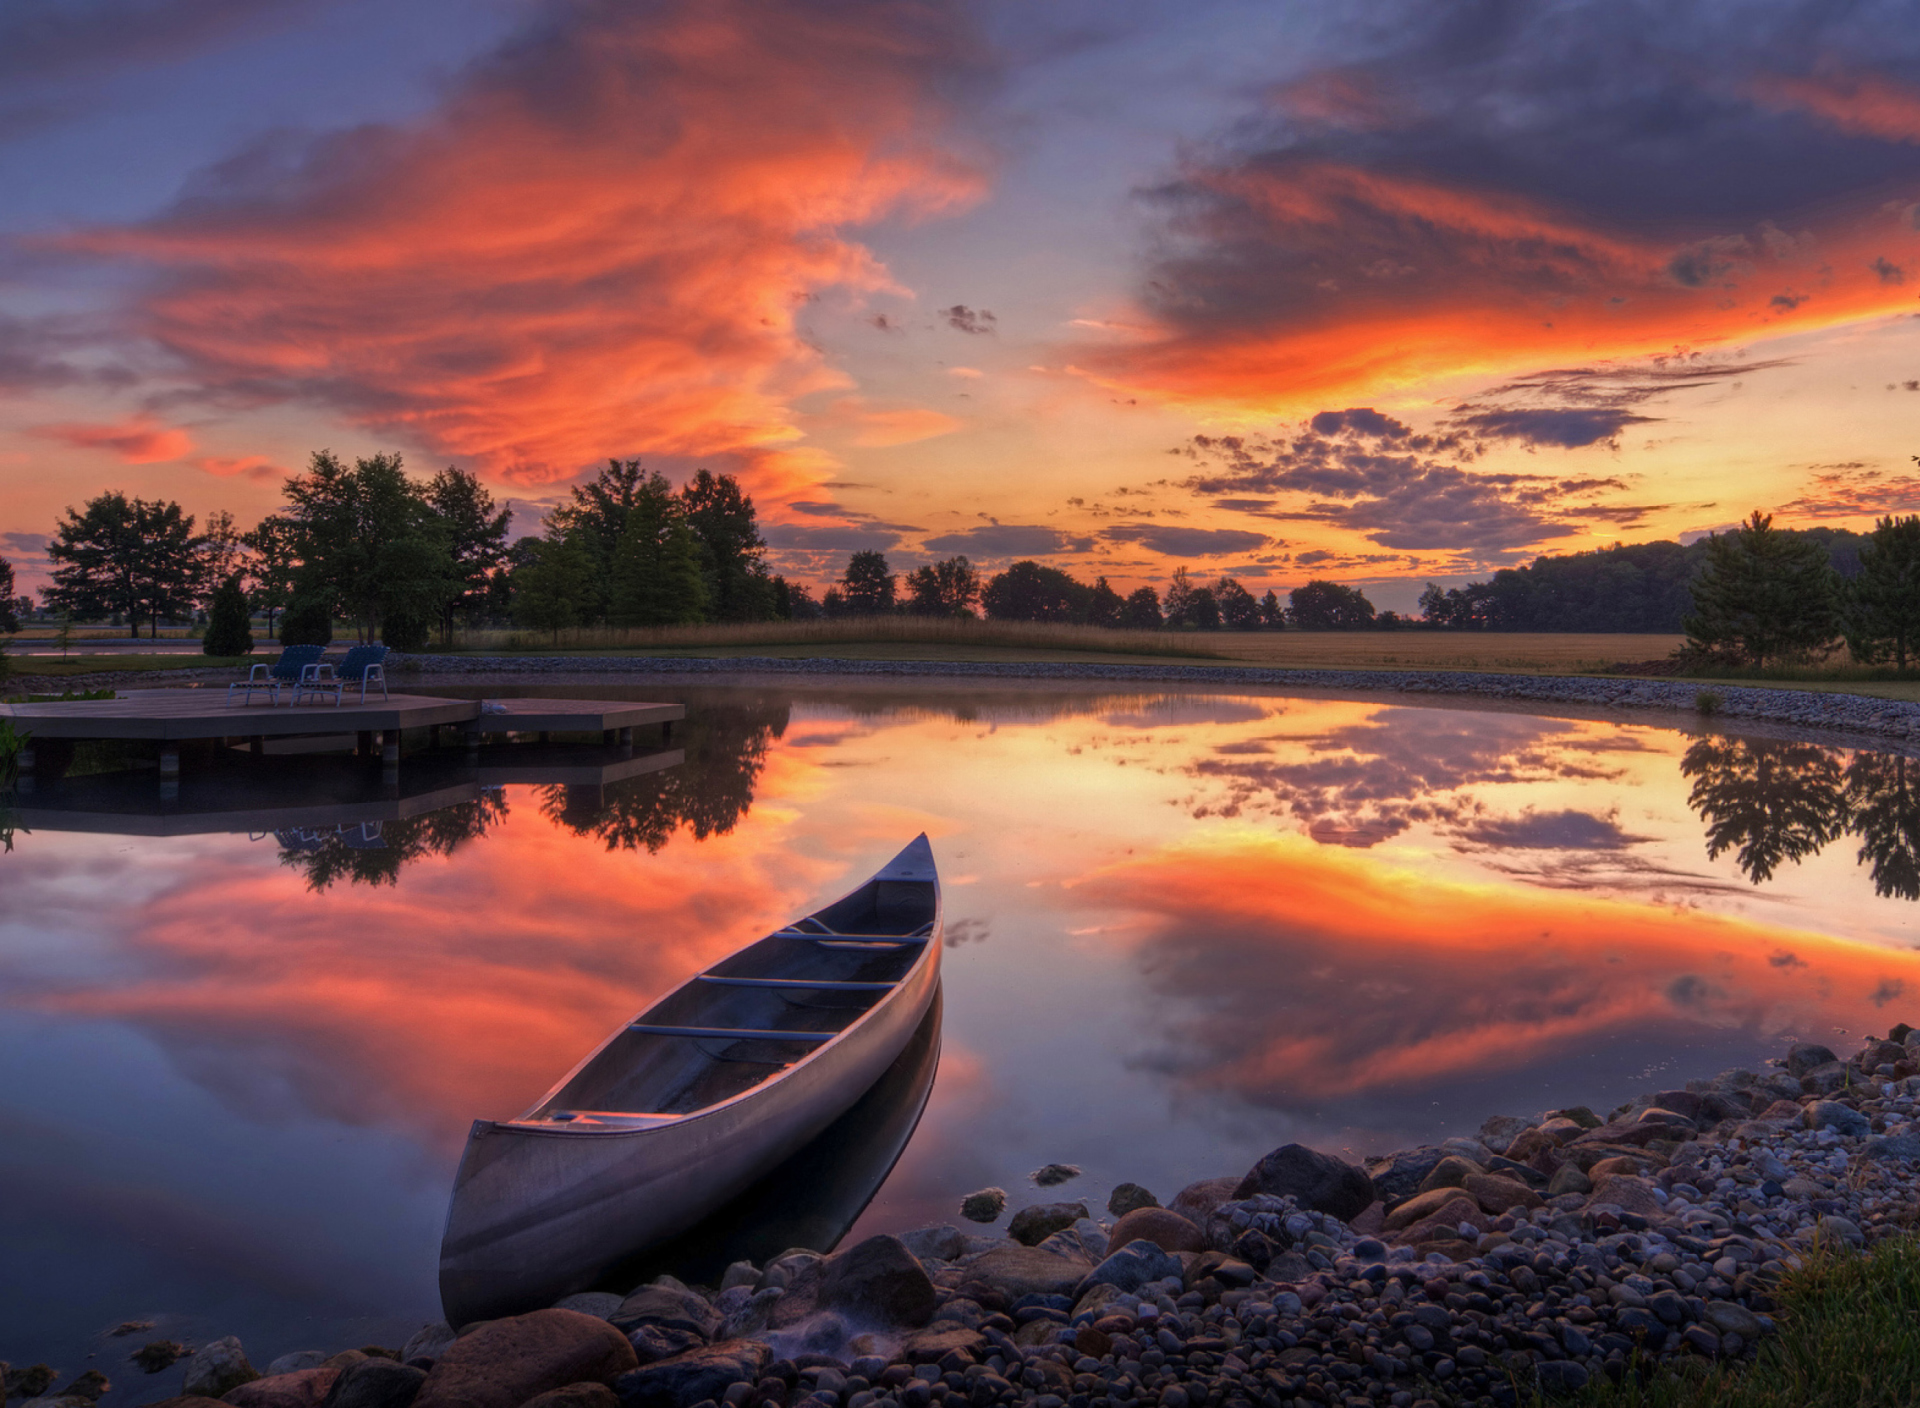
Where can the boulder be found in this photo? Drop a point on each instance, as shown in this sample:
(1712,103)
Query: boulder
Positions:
(1655,1114)
(1892,1146)
(1128,1196)
(303,1388)
(374,1383)
(1424,1205)
(1618,1164)
(1446,1221)
(1841,1119)
(1196,1201)
(1825,1080)
(940,1242)
(505,1362)
(1017,1271)
(1626,1192)
(1451,1172)
(666,1308)
(1399,1176)
(1501,1130)
(1052,1175)
(299,1359)
(601,1303)
(694,1377)
(1318,1181)
(428,1341)
(985,1205)
(1498,1195)
(1034,1224)
(1804,1057)
(1632,1135)
(186,1400)
(1568,1179)
(876,1283)
(1132,1267)
(1164,1228)
(932,1346)
(584,1395)
(216,1368)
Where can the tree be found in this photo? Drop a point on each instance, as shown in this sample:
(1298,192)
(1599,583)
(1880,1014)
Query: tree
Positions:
(1173,605)
(800,605)
(223,553)
(1885,805)
(657,578)
(596,519)
(1882,604)
(1104,605)
(947,588)
(1763,594)
(1142,610)
(9,616)
(867,586)
(1238,610)
(228,630)
(371,546)
(1773,801)
(475,537)
(138,556)
(1328,606)
(273,561)
(732,552)
(1026,591)
(555,578)
(307,621)
(1272,614)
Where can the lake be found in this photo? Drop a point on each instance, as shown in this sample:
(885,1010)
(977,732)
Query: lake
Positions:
(242,1049)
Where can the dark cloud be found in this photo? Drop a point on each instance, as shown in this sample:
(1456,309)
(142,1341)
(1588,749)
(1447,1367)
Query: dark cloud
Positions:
(1566,427)
(1549,831)
(1185,542)
(964,319)
(1855,490)
(48,38)
(38,355)
(25,547)
(1007,540)
(838,537)
(1888,271)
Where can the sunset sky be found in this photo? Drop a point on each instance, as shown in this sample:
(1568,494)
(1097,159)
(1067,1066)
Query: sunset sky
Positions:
(1382,292)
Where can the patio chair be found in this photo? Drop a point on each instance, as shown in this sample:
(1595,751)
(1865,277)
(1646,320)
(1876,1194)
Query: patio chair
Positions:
(284,672)
(362,666)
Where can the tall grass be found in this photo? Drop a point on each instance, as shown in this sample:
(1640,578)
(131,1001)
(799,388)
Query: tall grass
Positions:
(936,631)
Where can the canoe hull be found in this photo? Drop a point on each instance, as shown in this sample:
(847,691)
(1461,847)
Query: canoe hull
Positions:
(539,1212)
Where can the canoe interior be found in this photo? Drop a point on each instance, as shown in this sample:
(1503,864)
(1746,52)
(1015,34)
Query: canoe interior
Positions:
(640,1076)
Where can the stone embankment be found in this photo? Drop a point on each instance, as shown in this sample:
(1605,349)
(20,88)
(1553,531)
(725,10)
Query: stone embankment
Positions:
(1795,708)
(1546,1252)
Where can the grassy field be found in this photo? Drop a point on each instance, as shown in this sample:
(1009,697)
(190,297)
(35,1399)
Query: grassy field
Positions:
(1849,1338)
(54,667)
(922,637)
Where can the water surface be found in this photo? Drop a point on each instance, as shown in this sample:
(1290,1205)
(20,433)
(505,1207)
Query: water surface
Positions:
(1183,928)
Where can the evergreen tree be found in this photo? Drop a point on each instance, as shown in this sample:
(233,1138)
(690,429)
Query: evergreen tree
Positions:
(1272,614)
(1764,594)
(732,552)
(1882,604)
(1142,610)
(228,630)
(136,556)
(657,578)
(867,588)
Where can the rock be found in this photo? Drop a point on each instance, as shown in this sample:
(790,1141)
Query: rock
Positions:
(1017,1271)
(1471,1149)
(940,1242)
(1447,1219)
(374,1383)
(1654,1114)
(1164,1228)
(584,1395)
(156,1355)
(1842,1119)
(1562,1376)
(1052,1175)
(298,1360)
(217,1368)
(303,1388)
(1130,1268)
(1530,1144)
(1835,1228)
(1568,1179)
(505,1362)
(1892,1146)
(1128,1196)
(1399,1176)
(876,1283)
(89,1386)
(932,1346)
(984,1206)
(1825,1080)
(1498,1195)
(183,1401)
(694,1377)
(1451,1172)
(428,1341)
(1424,1205)
(652,1343)
(1034,1224)
(1730,1318)
(1628,1193)
(1196,1201)
(667,1309)
(1094,1240)
(601,1303)
(1629,1164)
(1500,1131)
(1318,1181)
(1803,1058)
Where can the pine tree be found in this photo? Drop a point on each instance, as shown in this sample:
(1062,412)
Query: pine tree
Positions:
(228,630)
(1883,603)
(1763,594)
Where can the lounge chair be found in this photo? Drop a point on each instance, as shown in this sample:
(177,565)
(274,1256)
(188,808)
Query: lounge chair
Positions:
(284,672)
(362,666)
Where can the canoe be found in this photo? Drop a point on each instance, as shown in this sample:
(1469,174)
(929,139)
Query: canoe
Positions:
(683,1108)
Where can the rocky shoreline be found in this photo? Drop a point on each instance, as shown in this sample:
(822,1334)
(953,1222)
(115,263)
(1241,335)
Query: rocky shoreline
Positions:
(1549,1251)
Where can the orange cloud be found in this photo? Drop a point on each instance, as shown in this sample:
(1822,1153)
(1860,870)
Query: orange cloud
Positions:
(878,429)
(1863,104)
(1302,283)
(599,245)
(252,466)
(139,440)
(1336,993)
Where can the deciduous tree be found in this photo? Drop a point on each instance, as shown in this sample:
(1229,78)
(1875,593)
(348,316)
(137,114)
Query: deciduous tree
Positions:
(272,561)
(136,556)
(947,588)
(732,552)
(867,587)
(475,533)
(9,617)
(657,576)
(1763,594)
(1238,610)
(554,578)
(1882,604)
(1329,606)
(1142,610)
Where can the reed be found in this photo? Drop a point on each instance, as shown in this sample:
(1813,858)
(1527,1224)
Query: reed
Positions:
(931,631)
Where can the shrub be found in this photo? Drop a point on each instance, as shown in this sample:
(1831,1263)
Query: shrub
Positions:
(308,621)
(228,630)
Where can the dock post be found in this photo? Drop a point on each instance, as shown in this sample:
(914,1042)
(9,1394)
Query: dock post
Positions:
(666,731)
(433,735)
(169,772)
(23,772)
(626,736)
(390,747)
(473,746)
(545,736)
(257,744)
(363,744)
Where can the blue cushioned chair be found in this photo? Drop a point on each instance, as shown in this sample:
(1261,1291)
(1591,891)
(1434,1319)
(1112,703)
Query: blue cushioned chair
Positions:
(362,667)
(285,672)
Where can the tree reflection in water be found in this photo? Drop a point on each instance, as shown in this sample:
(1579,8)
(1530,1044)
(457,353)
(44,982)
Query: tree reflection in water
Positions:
(1785,801)
(375,854)
(726,747)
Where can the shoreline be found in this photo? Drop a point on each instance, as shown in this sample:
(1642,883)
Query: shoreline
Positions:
(1829,711)
(1543,1254)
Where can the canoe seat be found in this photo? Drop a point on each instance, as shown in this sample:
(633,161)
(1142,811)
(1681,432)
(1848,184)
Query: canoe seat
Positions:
(733,1033)
(827,985)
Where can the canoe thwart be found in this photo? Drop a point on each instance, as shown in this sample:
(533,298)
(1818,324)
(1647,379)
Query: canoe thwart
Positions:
(732,1033)
(790,983)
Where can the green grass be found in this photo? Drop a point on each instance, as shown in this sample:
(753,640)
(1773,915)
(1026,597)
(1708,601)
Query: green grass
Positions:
(54,667)
(938,637)
(1849,1338)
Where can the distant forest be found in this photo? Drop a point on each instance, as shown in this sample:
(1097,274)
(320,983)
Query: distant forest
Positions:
(1631,587)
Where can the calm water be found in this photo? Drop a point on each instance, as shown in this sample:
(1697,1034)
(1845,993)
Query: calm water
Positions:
(239,1063)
